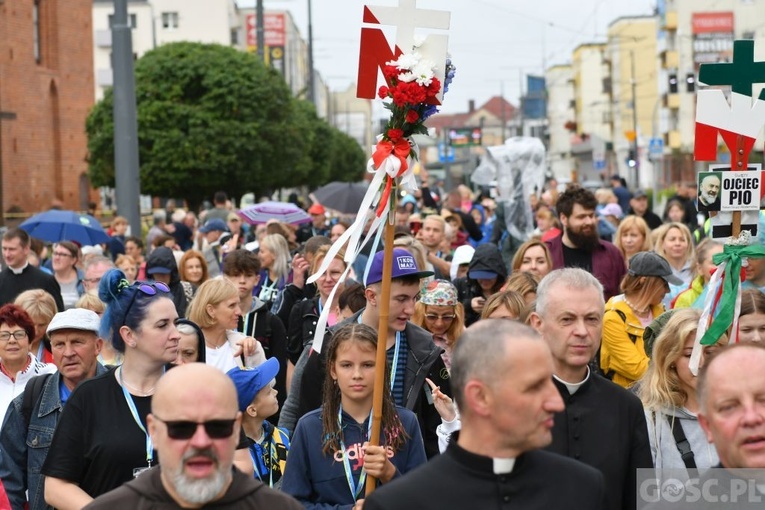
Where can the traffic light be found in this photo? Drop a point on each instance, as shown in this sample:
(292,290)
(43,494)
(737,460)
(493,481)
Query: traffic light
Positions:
(631,159)
(673,84)
(690,82)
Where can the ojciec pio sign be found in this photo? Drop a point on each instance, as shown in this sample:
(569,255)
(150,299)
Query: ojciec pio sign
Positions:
(739,191)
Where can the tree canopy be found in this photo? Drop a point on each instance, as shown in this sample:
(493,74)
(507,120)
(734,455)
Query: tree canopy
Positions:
(214,118)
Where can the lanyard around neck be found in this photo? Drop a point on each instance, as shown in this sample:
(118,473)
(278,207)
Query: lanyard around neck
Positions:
(394,363)
(134,412)
(271,452)
(355,488)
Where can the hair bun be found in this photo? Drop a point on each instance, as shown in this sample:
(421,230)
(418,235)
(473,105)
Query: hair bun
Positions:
(111,285)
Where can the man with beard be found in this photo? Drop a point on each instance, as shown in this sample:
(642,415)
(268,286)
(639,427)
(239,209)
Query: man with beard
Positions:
(709,193)
(580,245)
(194,424)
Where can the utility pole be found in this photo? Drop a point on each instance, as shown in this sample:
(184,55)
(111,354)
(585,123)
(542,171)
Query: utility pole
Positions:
(260,33)
(311,91)
(520,99)
(126,165)
(634,119)
(504,113)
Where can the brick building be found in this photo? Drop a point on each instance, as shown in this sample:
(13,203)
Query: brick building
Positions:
(46,92)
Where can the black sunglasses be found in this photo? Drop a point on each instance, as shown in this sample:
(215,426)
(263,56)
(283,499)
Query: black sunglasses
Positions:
(215,429)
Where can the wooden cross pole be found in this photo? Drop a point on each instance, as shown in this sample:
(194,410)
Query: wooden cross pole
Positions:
(382,333)
(738,162)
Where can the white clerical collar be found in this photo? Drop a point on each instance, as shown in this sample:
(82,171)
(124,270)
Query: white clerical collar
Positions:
(19,271)
(573,387)
(503,466)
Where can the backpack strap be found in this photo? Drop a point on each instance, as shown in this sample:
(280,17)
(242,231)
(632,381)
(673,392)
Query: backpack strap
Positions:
(32,392)
(610,374)
(683,446)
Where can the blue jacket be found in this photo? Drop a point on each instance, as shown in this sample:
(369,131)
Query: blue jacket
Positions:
(24,451)
(318,481)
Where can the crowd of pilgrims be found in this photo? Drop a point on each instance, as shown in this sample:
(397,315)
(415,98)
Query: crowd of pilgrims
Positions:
(239,301)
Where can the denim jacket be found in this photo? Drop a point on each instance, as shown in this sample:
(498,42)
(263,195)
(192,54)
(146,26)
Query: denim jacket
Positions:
(22,453)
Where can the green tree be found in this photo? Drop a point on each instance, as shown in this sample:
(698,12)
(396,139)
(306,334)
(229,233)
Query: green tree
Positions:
(348,160)
(209,117)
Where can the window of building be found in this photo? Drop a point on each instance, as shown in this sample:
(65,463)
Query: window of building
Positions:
(170,20)
(133,20)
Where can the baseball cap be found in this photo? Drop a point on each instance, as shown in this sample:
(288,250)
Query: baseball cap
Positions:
(249,381)
(639,194)
(75,318)
(616,177)
(404,264)
(213,225)
(479,274)
(612,210)
(316,209)
(648,263)
(463,255)
(158,270)
(439,293)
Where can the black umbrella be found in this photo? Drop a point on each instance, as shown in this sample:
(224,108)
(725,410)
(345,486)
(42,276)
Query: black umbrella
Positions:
(344,197)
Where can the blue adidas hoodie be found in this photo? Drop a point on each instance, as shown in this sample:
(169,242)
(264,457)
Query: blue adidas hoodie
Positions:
(318,481)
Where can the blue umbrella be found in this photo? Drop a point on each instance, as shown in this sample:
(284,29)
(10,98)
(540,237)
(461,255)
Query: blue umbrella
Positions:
(282,211)
(55,225)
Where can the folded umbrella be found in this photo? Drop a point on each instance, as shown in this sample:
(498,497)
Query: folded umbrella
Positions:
(56,225)
(281,211)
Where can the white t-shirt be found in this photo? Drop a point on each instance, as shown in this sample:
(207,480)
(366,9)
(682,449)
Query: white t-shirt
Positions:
(69,293)
(221,358)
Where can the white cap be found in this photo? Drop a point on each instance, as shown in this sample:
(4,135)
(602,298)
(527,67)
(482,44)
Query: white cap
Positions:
(463,255)
(75,318)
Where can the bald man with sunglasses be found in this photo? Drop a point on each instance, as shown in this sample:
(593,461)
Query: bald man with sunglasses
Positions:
(194,425)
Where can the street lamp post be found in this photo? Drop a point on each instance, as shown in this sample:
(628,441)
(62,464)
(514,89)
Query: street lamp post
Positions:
(311,90)
(634,119)
(126,165)
(260,30)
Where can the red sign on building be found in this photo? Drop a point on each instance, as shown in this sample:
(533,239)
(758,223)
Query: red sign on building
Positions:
(706,22)
(274,30)
(712,37)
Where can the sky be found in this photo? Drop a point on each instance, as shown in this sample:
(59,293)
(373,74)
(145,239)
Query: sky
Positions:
(492,42)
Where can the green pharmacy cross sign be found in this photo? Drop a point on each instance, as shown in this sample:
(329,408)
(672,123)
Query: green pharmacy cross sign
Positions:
(741,74)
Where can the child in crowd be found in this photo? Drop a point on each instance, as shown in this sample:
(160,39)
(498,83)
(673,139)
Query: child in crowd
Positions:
(257,402)
(330,457)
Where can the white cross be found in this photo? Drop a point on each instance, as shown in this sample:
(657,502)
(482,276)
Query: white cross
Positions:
(406,17)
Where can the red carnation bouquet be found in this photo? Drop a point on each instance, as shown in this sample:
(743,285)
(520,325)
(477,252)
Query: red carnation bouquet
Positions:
(412,88)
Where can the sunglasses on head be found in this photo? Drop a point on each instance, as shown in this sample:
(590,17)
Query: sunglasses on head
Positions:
(151,288)
(215,429)
(147,288)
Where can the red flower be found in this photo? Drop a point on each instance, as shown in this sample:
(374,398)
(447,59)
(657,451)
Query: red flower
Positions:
(434,87)
(395,134)
(415,93)
(400,97)
(412,116)
(390,72)
(383,92)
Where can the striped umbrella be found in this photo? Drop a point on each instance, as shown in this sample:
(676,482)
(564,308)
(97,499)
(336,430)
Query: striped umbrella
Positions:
(281,211)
